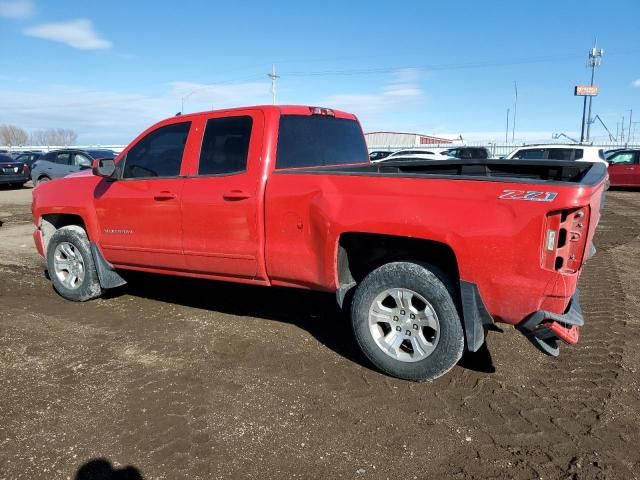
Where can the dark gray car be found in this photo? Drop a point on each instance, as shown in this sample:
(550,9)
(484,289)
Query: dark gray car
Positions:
(59,163)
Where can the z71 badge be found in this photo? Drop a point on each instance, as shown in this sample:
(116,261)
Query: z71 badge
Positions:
(529,195)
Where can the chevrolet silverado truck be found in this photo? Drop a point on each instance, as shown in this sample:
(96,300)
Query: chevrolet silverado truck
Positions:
(424,255)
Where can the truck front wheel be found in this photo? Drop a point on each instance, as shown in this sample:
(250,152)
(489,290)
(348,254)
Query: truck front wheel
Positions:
(406,323)
(70,265)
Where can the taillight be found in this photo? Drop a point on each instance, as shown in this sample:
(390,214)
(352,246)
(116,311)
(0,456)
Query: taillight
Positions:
(322,111)
(565,240)
(25,168)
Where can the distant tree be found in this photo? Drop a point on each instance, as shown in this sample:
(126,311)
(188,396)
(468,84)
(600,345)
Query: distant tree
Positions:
(13,136)
(54,136)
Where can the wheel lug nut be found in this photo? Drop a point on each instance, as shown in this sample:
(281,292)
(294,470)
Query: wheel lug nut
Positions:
(415,327)
(408,333)
(395,318)
(398,328)
(412,316)
(402,312)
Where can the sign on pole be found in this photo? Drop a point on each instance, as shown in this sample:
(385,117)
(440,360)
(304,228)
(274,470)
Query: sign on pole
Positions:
(586,91)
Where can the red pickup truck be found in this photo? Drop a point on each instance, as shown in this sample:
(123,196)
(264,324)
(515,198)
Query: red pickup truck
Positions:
(426,255)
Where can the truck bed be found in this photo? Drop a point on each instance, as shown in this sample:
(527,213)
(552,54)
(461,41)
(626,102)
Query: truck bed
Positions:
(537,171)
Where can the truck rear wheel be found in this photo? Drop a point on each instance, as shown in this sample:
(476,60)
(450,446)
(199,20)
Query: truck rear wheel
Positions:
(70,264)
(406,323)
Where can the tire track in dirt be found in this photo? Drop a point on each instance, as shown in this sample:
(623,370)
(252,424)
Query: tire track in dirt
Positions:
(546,428)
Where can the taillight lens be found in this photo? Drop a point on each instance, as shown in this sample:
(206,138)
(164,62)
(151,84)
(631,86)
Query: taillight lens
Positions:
(565,240)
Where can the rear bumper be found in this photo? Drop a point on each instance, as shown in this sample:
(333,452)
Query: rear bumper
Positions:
(544,328)
(5,179)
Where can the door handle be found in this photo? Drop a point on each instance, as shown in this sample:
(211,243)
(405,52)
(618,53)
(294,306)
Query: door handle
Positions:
(233,195)
(164,195)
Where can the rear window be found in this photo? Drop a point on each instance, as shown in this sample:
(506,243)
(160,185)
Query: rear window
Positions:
(318,140)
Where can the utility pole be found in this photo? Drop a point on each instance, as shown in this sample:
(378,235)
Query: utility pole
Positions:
(595,57)
(506,133)
(622,130)
(515,112)
(273,78)
(630,117)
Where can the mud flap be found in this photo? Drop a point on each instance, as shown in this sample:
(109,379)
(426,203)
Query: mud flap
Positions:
(107,275)
(475,315)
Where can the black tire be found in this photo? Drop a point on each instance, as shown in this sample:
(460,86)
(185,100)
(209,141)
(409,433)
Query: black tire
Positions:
(89,287)
(42,179)
(419,279)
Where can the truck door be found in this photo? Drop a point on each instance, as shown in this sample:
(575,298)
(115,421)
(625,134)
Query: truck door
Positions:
(221,222)
(139,214)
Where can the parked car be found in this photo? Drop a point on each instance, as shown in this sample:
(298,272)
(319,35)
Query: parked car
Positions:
(286,196)
(467,152)
(379,155)
(571,152)
(28,157)
(431,154)
(13,173)
(624,168)
(59,163)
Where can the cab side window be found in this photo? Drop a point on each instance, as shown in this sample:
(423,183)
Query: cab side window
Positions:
(80,160)
(622,158)
(531,154)
(225,146)
(63,158)
(158,154)
(560,154)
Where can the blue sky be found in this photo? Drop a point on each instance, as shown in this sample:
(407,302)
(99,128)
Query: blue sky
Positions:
(109,69)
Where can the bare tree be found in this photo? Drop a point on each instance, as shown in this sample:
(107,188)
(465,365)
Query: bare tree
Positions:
(12,136)
(54,136)
(67,136)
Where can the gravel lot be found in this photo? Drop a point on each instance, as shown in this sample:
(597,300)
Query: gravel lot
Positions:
(194,379)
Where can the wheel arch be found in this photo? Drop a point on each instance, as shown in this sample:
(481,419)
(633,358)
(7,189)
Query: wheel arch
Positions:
(51,222)
(360,253)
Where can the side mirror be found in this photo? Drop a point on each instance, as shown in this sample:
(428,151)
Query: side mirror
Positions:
(104,167)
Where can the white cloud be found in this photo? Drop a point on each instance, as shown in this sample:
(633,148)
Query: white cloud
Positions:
(108,117)
(75,33)
(636,83)
(16,8)
(402,94)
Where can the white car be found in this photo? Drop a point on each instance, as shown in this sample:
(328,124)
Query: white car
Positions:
(570,152)
(431,154)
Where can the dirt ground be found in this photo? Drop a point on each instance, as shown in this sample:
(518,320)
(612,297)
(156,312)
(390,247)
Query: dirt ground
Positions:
(195,379)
